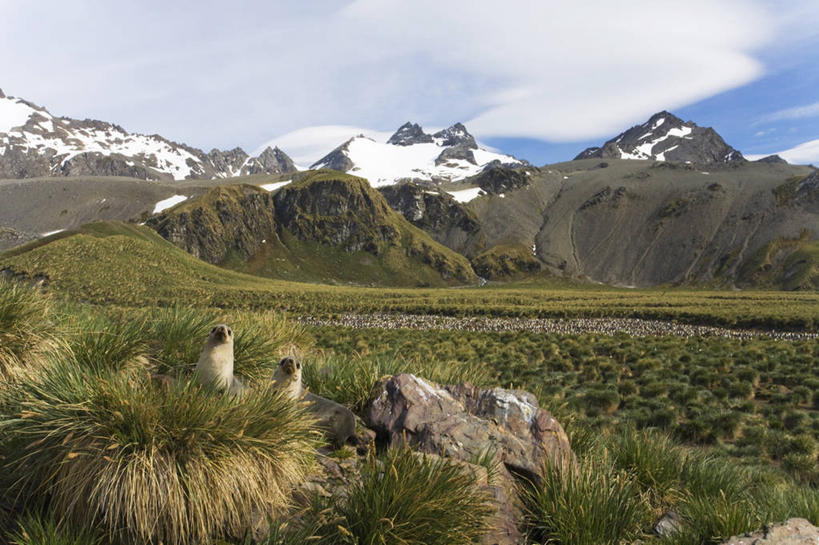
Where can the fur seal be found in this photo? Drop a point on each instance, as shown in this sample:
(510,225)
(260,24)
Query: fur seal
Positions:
(215,365)
(334,419)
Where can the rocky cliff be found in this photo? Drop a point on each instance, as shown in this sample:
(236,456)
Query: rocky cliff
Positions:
(325,226)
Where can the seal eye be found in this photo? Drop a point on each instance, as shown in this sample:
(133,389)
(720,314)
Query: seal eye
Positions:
(212,329)
(230,332)
(298,365)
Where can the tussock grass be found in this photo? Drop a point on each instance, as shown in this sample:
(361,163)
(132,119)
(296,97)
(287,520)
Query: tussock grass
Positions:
(34,529)
(27,328)
(414,500)
(588,504)
(177,336)
(349,379)
(100,343)
(147,463)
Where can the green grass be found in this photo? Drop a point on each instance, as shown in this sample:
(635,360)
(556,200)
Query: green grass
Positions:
(135,267)
(413,499)
(751,399)
(33,529)
(26,328)
(723,432)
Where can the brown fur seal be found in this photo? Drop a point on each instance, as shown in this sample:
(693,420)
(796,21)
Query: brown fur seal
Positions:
(215,365)
(336,420)
(287,377)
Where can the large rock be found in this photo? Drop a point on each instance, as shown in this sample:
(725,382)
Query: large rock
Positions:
(791,532)
(463,421)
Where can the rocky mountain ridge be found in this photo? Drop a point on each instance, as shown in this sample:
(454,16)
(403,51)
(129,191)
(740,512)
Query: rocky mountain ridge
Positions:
(665,137)
(411,154)
(33,143)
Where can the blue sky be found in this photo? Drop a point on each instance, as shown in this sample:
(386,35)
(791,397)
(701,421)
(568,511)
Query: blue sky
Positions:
(541,79)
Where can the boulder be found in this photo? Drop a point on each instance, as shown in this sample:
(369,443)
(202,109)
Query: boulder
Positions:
(464,422)
(791,532)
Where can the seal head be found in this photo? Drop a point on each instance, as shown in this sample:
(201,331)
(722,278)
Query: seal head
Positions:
(287,376)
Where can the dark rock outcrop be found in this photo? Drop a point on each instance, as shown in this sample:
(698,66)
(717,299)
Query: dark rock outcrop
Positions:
(497,179)
(226,220)
(665,137)
(460,152)
(439,214)
(456,135)
(409,134)
(336,159)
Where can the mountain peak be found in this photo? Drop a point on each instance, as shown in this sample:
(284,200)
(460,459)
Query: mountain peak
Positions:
(409,134)
(454,136)
(666,137)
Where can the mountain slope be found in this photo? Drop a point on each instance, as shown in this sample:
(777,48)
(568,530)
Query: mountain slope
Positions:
(665,137)
(34,143)
(325,226)
(411,154)
(641,224)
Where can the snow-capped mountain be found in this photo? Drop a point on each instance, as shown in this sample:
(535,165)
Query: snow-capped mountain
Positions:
(33,143)
(412,154)
(665,137)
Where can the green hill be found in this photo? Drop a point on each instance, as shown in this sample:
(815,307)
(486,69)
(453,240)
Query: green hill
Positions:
(325,227)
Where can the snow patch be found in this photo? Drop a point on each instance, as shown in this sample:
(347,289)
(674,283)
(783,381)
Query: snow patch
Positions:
(168,203)
(466,195)
(275,185)
(13,113)
(52,233)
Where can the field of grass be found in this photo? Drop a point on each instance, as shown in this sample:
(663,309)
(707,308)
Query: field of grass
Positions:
(756,400)
(721,431)
(134,267)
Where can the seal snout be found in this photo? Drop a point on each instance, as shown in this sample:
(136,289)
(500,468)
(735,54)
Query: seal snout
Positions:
(221,333)
(289,365)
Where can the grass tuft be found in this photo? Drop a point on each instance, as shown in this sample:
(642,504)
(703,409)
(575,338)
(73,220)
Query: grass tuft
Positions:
(146,463)
(589,504)
(36,530)
(26,327)
(413,499)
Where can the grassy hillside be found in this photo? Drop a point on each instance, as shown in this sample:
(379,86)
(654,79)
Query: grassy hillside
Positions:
(645,223)
(323,227)
(130,265)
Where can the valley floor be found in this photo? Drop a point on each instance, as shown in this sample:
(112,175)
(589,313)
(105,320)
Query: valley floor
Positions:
(573,326)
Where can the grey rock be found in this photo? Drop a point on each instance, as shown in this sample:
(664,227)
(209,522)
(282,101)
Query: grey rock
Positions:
(668,524)
(795,531)
(462,421)
(409,134)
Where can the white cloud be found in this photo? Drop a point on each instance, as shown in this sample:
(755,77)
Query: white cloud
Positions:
(797,112)
(560,71)
(803,154)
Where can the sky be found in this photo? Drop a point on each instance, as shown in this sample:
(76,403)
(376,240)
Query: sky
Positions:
(538,79)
